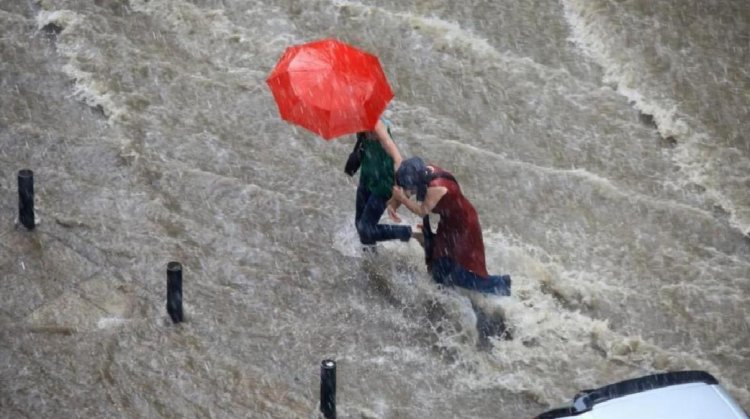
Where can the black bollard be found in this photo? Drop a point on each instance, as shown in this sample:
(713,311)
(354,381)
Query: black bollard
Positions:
(174,291)
(328,388)
(26,198)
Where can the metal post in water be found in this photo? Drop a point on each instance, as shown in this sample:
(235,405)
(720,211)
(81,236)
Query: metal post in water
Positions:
(174,291)
(328,388)
(26,198)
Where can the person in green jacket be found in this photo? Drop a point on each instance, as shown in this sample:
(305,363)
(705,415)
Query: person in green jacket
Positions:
(380,160)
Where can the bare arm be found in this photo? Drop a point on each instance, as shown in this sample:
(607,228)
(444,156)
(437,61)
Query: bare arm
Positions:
(392,207)
(387,143)
(434,194)
(393,203)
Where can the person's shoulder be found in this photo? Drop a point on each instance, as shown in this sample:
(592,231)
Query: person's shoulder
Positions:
(388,125)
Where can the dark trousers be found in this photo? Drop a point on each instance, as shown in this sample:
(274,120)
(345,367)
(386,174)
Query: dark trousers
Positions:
(369,209)
(447,272)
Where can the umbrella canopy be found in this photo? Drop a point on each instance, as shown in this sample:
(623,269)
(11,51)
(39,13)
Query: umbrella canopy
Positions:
(330,88)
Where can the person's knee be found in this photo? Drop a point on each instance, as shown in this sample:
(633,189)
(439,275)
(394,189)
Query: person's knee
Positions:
(444,265)
(438,276)
(362,227)
(365,232)
(441,270)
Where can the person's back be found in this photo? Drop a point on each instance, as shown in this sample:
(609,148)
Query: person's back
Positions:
(455,253)
(459,235)
(376,173)
(376,180)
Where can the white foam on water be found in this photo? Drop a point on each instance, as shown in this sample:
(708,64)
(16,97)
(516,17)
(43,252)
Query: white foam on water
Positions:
(87,88)
(346,239)
(195,28)
(66,19)
(110,322)
(584,175)
(451,36)
(556,347)
(592,39)
(195,25)
(590,31)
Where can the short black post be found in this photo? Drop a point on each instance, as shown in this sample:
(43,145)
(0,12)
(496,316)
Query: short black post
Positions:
(26,198)
(328,388)
(174,291)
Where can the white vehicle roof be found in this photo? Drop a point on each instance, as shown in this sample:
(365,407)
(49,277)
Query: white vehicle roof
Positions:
(682,395)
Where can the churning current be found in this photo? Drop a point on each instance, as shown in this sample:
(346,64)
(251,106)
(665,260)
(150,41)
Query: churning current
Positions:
(603,143)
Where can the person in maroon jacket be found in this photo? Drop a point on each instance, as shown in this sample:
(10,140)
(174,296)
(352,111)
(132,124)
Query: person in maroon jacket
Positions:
(455,254)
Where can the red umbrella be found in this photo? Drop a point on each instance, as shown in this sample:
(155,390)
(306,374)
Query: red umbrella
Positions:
(330,88)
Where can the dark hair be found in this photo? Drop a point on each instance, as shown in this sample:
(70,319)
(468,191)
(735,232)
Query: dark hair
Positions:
(366,135)
(413,174)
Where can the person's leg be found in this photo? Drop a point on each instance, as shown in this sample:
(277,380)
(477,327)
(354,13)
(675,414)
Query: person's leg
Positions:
(448,272)
(500,284)
(362,196)
(441,270)
(370,231)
